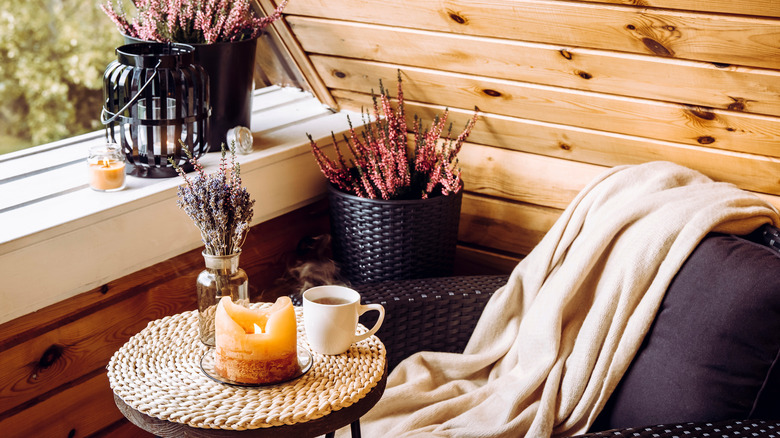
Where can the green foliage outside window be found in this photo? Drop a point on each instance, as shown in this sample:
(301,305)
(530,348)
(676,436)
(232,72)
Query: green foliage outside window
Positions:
(52,57)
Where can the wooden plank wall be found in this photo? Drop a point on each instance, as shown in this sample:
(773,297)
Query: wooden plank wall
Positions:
(566,89)
(53,380)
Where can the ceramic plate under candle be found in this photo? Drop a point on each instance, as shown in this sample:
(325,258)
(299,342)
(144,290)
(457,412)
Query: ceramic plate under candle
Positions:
(305,361)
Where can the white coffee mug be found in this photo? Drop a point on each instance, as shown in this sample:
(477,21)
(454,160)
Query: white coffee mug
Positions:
(330,316)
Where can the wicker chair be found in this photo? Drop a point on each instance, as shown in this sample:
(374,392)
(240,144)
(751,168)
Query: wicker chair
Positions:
(439,314)
(433,314)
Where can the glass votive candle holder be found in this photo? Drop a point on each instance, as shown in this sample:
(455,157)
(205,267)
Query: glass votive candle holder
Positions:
(242,137)
(106,168)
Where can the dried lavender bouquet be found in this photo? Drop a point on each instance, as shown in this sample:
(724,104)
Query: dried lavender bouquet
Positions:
(219,206)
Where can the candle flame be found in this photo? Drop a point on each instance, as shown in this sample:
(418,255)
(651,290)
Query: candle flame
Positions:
(258,329)
(105,162)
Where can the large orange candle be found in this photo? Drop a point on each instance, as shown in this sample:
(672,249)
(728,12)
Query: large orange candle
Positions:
(256,345)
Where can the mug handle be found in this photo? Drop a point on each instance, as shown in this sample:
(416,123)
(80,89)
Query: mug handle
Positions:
(368,307)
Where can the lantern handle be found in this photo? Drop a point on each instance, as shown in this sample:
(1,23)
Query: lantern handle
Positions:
(132,101)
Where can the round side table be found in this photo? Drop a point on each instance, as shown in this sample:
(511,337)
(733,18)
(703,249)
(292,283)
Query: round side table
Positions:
(159,386)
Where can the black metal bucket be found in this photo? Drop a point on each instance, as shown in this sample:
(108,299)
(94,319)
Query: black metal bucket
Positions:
(231,68)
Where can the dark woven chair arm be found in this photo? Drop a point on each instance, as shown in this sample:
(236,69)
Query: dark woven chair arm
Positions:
(720,429)
(432,314)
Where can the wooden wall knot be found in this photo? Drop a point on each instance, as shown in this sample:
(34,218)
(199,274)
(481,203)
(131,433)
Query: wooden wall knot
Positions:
(706,139)
(491,93)
(739,104)
(457,17)
(339,74)
(50,356)
(700,113)
(566,54)
(655,34)
(656,47)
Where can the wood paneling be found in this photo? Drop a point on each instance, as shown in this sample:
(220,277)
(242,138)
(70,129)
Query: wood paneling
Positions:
(476,261)
(650,77)
(77,411)
(729,39)
(510,227)
(770,8)
(758,173)
(52,362)
(719,129)
(61,355)
(529,178)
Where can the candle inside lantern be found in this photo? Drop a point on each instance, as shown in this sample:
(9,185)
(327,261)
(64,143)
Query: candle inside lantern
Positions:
(256,345)
(157,114)
(169,148)
(106,168)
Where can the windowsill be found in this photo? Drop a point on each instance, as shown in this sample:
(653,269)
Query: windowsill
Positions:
(59,238)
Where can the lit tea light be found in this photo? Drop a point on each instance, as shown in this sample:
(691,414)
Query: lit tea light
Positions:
(170,148)
(106,168)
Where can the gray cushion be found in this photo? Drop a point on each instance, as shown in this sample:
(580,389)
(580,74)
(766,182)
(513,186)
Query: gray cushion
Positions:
(712,352)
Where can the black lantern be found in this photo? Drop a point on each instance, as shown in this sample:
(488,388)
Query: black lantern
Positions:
(156,99)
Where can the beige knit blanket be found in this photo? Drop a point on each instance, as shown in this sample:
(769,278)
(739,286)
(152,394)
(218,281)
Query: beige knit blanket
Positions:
(553,343)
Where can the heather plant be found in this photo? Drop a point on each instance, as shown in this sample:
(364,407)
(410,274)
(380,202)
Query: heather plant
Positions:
(219,206)
(380,166)
(190,21)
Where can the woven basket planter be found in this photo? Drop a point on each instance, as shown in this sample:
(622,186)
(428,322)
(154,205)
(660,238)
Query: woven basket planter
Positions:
(376,240)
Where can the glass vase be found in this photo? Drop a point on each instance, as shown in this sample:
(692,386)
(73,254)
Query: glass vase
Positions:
(221,278)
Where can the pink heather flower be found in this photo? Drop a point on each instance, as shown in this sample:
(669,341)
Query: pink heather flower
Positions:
(366,187)
(117,15)
(190,21)
(172,12)
(261,23)
(380,165)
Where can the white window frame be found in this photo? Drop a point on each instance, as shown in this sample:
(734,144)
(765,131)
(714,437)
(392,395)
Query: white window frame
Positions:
(59,238)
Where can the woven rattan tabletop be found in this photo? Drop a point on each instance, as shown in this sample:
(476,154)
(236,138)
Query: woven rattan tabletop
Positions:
(157,382)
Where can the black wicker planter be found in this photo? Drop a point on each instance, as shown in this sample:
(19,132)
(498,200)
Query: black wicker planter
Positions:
(377,240)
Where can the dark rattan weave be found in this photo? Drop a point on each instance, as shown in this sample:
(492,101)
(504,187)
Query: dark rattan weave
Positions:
(720,429)
(376,240)
(433,314)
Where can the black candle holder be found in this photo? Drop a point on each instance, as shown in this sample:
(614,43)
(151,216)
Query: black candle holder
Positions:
(156,100)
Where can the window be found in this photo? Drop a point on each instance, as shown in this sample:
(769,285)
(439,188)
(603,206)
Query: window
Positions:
(53,56)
